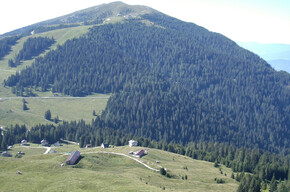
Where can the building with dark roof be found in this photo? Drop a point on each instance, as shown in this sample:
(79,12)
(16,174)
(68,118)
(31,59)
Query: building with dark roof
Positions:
(57,144)
(24,142)
(6,154)
(44,142)
(73,158)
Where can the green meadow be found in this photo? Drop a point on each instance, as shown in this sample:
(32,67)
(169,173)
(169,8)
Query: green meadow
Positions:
(66,108)
(97,171)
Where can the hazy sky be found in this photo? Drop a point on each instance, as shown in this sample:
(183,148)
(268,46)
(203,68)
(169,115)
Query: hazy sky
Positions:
(264,21)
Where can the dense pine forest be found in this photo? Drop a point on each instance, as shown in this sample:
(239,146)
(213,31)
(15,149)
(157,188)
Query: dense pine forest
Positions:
(6,43)
(178,82)
(31,48)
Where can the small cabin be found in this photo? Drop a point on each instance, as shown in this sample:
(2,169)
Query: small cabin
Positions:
(73,158)
(139,153)
(57,144)
(104,145)
(24,142)
(6,154)
(44,142)
(133,143)
(20,153)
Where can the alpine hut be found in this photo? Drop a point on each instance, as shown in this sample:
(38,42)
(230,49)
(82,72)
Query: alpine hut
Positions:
(73,158)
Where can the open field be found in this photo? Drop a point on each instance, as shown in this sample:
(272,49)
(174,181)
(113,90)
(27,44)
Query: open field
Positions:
(66,108)
(107,172)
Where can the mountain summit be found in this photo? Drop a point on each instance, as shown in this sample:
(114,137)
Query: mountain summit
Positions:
(170,80)
(93,15)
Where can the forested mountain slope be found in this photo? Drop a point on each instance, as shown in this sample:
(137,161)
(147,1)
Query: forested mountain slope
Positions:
(171,80)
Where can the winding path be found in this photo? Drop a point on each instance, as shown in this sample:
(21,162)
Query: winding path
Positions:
(122,154)
(47,150)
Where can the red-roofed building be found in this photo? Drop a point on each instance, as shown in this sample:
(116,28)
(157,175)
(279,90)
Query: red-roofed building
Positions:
(139,153)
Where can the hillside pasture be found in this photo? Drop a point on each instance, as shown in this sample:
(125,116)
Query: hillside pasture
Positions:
(66,108)
(107,172)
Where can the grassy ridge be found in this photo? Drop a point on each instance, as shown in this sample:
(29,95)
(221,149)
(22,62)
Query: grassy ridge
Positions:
(108,172)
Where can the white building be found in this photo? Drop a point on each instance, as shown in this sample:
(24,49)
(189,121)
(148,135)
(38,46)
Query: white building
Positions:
(133,143)
(104,145)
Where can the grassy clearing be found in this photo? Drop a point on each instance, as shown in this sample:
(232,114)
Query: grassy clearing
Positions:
(5,91)
(107,172)
(11,111)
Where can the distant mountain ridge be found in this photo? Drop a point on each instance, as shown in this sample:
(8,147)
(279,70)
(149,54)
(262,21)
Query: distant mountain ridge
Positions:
(278,55)
(170,80)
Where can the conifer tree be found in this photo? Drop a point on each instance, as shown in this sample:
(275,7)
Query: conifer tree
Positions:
(47,115)
(24,107)
(273,184)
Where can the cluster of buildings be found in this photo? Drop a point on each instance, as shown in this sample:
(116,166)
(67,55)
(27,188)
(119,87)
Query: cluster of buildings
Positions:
(138,153)
(43,142)
(72,159)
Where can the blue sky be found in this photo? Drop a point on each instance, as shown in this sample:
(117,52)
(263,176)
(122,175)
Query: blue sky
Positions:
(263,21)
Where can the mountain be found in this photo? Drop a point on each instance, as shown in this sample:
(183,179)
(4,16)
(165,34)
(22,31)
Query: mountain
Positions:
(170,80)
(277,55)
